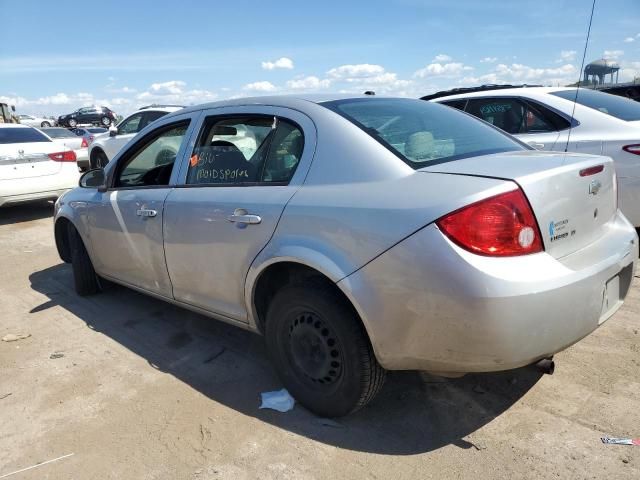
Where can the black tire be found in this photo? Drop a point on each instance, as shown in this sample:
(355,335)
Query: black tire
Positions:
(320,349)
(45,124)
(84,276)
(73,123)
(98,159)
(105,121)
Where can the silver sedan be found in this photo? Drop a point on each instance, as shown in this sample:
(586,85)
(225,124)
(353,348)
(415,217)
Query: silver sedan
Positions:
(358,235)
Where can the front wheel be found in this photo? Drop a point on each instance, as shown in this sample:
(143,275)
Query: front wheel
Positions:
(45,124)
(84,276)
(106,121)
(73,123)
(321,350)
(98,160)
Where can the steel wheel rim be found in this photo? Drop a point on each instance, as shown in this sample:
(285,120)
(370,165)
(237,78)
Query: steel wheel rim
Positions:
(314,350)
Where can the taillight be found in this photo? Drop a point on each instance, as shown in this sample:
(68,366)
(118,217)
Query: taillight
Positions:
(84,143)
(68,156)
(635,148)
(500,226)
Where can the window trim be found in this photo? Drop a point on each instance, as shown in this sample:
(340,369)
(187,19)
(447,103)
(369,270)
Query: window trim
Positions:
(145,141)
(198,138)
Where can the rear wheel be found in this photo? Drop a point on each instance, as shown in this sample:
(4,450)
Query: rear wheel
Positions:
(84,276)
(106,121)
(45,124)
(321,350)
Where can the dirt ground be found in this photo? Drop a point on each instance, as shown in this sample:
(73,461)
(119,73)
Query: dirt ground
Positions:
(137,389)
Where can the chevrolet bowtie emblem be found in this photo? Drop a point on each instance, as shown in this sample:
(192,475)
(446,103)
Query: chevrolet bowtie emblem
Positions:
(594,187)
(21,153)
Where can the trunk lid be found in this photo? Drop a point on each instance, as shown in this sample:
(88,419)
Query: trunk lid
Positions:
(28,160)
(572,210)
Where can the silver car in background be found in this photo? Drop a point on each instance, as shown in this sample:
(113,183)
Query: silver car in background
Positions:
(358,235)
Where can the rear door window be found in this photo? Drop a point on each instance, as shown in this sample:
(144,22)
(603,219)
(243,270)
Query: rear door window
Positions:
(245,150)
(510,114)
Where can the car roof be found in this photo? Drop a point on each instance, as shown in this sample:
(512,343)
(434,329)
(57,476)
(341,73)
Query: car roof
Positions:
(290,101)
(494,92)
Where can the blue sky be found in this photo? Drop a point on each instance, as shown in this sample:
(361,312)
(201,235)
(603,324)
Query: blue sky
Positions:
(58,56)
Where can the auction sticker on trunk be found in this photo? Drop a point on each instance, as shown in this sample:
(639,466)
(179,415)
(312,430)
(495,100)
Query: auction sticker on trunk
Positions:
(560,230)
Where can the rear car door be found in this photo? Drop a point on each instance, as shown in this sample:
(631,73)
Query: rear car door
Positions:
(126,220)
(245,165)
(525,120)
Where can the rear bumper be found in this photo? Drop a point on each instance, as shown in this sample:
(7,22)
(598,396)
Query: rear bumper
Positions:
(429,305)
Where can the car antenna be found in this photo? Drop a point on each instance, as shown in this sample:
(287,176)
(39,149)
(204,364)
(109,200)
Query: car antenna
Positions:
(584,54)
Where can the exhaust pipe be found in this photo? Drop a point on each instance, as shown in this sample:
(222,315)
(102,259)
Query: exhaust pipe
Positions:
(546,365)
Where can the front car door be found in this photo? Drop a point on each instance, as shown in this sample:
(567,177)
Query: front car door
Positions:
(245,165)
(126,220)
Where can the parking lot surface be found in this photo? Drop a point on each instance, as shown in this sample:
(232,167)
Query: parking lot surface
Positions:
(136,388)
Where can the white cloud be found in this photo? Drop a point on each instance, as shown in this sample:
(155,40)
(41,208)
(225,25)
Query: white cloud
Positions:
(567,56)
(629,71)
(439,69)
(440,58)
(519,73)
(489,60)
(173,87)
(260,87)
(174,92)
(362,70)
(308,83)
(613,54)
(629,40)
(282,62)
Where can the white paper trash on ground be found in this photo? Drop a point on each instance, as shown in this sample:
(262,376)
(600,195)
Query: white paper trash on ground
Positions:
(279,400)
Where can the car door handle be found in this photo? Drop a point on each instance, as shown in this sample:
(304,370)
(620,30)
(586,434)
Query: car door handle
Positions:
(144,212)
(240,215)
(536,145)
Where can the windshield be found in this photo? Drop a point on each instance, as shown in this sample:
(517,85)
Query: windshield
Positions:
(59,133)
(424,133)
(21,135)
(614,105)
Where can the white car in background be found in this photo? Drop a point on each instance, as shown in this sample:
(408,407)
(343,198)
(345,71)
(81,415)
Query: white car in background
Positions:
(70,139)
(32,166)
(36,121)
(603,124)
(106,145)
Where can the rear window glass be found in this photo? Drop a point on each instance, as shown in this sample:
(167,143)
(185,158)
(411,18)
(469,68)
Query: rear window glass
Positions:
(59,133)
(424,133)
(21,135)
(614,105)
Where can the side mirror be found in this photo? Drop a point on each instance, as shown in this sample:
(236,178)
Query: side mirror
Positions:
(94,179)
(13,108)
(113,131)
